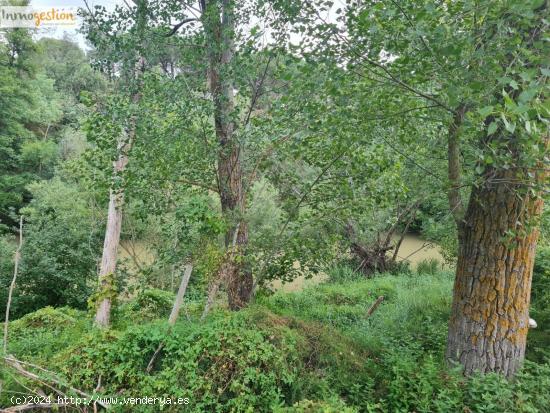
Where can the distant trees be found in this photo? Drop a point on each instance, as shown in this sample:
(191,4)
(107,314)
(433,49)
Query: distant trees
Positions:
(43,87)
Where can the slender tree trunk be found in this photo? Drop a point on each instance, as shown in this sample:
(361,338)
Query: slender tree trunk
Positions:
(110,245)
(220,32)
(181,293)
(497,241)
(16,259)
(114,219)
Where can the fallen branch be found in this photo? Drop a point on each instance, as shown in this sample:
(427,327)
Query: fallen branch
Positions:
(174,314)
(33,406)
(18,366)
(373,307)
(12,285)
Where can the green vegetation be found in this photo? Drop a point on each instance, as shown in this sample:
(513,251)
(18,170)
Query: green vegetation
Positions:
(231,203)
(310,351)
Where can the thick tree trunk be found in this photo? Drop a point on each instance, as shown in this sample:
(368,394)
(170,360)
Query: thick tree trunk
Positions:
(497,241)
(220,32)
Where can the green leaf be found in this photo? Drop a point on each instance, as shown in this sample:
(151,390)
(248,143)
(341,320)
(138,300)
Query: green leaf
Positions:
(492,128)
(485,111)
(510,126)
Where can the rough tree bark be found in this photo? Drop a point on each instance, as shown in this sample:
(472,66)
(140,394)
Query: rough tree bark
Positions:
(497,241)
(220,26)
(490,311)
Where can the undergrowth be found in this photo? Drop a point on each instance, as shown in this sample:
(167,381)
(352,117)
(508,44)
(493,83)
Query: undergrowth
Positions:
(309,351)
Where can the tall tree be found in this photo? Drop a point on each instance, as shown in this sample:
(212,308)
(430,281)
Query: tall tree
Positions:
(499,230)
(219,26)
(132,67)
(29,106)
(482,68)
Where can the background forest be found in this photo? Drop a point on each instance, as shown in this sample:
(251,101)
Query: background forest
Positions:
(278,206)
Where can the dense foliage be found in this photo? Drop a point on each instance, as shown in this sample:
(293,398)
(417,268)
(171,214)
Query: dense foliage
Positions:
(312,351)
(276,146)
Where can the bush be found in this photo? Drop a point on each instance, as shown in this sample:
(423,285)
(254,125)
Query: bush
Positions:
(312,351)
(61,244)
(316,406)
(149,304)
(538,338)
(42,334)
(224,365)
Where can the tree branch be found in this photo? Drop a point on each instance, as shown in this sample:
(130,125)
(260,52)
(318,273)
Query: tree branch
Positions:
(454,167)
(177,26)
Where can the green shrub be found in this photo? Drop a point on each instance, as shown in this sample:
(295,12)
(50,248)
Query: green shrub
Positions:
(224,365)
(312,351)
(540,295)
(40,335)
(62,242)
(149,304)
(317,406)
(538,348)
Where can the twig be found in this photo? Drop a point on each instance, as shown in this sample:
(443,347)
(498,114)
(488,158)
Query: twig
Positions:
(12,285)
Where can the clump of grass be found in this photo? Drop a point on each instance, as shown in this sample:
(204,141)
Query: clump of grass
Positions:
(429,266)
(343,274)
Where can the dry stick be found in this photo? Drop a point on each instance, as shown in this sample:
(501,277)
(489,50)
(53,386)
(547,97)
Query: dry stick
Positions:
(17,365)
(181,293)
(33,406)
(12,285)
(374,306)
(175,312)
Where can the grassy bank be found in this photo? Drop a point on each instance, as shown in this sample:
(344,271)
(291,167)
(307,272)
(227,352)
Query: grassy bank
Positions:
(310,351)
